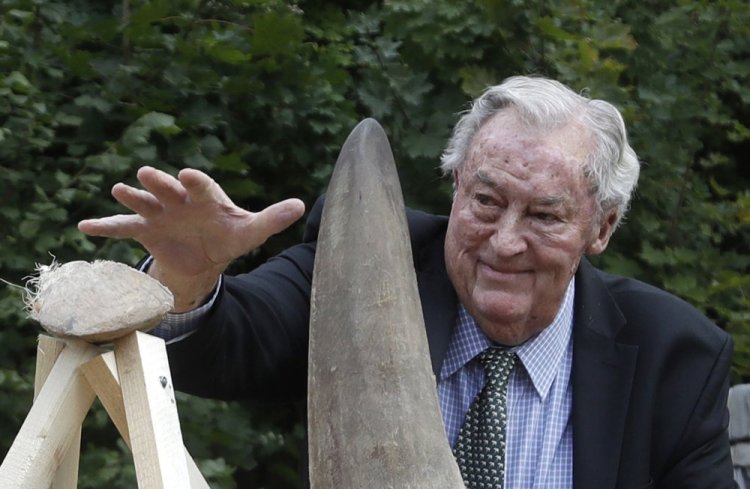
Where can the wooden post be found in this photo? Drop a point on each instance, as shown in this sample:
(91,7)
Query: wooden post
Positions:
(47,351)
(101,372)
(51,424)
(151,412)
(91,303)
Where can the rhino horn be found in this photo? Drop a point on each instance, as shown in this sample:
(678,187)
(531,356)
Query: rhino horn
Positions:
(373,414)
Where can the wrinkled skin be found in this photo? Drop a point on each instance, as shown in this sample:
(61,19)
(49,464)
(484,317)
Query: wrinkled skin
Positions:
(522,217)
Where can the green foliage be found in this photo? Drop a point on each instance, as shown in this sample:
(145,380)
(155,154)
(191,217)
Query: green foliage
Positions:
(261,93)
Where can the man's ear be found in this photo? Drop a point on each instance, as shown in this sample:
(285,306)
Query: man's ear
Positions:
(603,233)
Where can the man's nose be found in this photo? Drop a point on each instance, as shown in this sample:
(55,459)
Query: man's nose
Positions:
(508,238)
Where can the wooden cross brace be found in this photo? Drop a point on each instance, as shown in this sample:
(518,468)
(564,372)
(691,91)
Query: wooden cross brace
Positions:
(133,384)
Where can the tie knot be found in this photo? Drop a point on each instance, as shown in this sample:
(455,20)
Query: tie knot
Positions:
(497,363)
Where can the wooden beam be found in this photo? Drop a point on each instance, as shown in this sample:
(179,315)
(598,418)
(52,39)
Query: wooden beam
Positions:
(47,351)
(151,411)
(51,424)
(101,372)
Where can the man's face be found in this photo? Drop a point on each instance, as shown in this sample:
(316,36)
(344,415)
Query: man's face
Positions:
(522,217)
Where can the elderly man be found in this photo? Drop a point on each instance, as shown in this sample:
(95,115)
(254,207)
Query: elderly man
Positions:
(605,382)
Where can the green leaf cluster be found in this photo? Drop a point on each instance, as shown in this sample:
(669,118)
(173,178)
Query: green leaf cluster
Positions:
(262,93)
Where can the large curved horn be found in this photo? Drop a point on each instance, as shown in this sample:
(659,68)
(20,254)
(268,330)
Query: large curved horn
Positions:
(373,414)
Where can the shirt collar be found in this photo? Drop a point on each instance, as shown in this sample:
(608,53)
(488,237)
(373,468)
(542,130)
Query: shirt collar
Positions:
(540,355)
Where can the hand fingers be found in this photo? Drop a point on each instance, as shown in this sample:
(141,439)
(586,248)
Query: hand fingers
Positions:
(200,186)
(118,226)
(139,201)
(166,188)
(273,219)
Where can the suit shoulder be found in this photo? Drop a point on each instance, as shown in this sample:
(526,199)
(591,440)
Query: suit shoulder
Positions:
(659,315)
(423,227)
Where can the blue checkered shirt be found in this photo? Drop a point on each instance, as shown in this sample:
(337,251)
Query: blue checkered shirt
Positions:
(539,453)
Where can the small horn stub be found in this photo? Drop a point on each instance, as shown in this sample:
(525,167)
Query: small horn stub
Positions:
(96,302)
(373,413)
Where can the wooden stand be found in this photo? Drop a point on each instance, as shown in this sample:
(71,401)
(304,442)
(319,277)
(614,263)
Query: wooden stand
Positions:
(133,384)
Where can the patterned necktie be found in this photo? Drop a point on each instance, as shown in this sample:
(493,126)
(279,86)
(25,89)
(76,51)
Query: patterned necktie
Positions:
(480,449)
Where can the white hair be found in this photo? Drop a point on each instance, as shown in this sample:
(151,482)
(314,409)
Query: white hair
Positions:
(611,168)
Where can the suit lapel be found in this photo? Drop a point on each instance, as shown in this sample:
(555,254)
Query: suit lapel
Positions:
(602,380)
(603,369)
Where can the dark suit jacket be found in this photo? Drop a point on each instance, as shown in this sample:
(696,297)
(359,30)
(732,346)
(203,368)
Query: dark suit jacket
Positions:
(650,373)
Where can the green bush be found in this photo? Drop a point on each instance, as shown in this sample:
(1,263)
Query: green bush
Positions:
(261,94)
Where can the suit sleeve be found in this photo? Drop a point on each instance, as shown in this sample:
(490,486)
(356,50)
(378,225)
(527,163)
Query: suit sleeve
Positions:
(252,344)
(703,460)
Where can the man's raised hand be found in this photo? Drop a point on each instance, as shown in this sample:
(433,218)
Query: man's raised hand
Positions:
(191,228)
